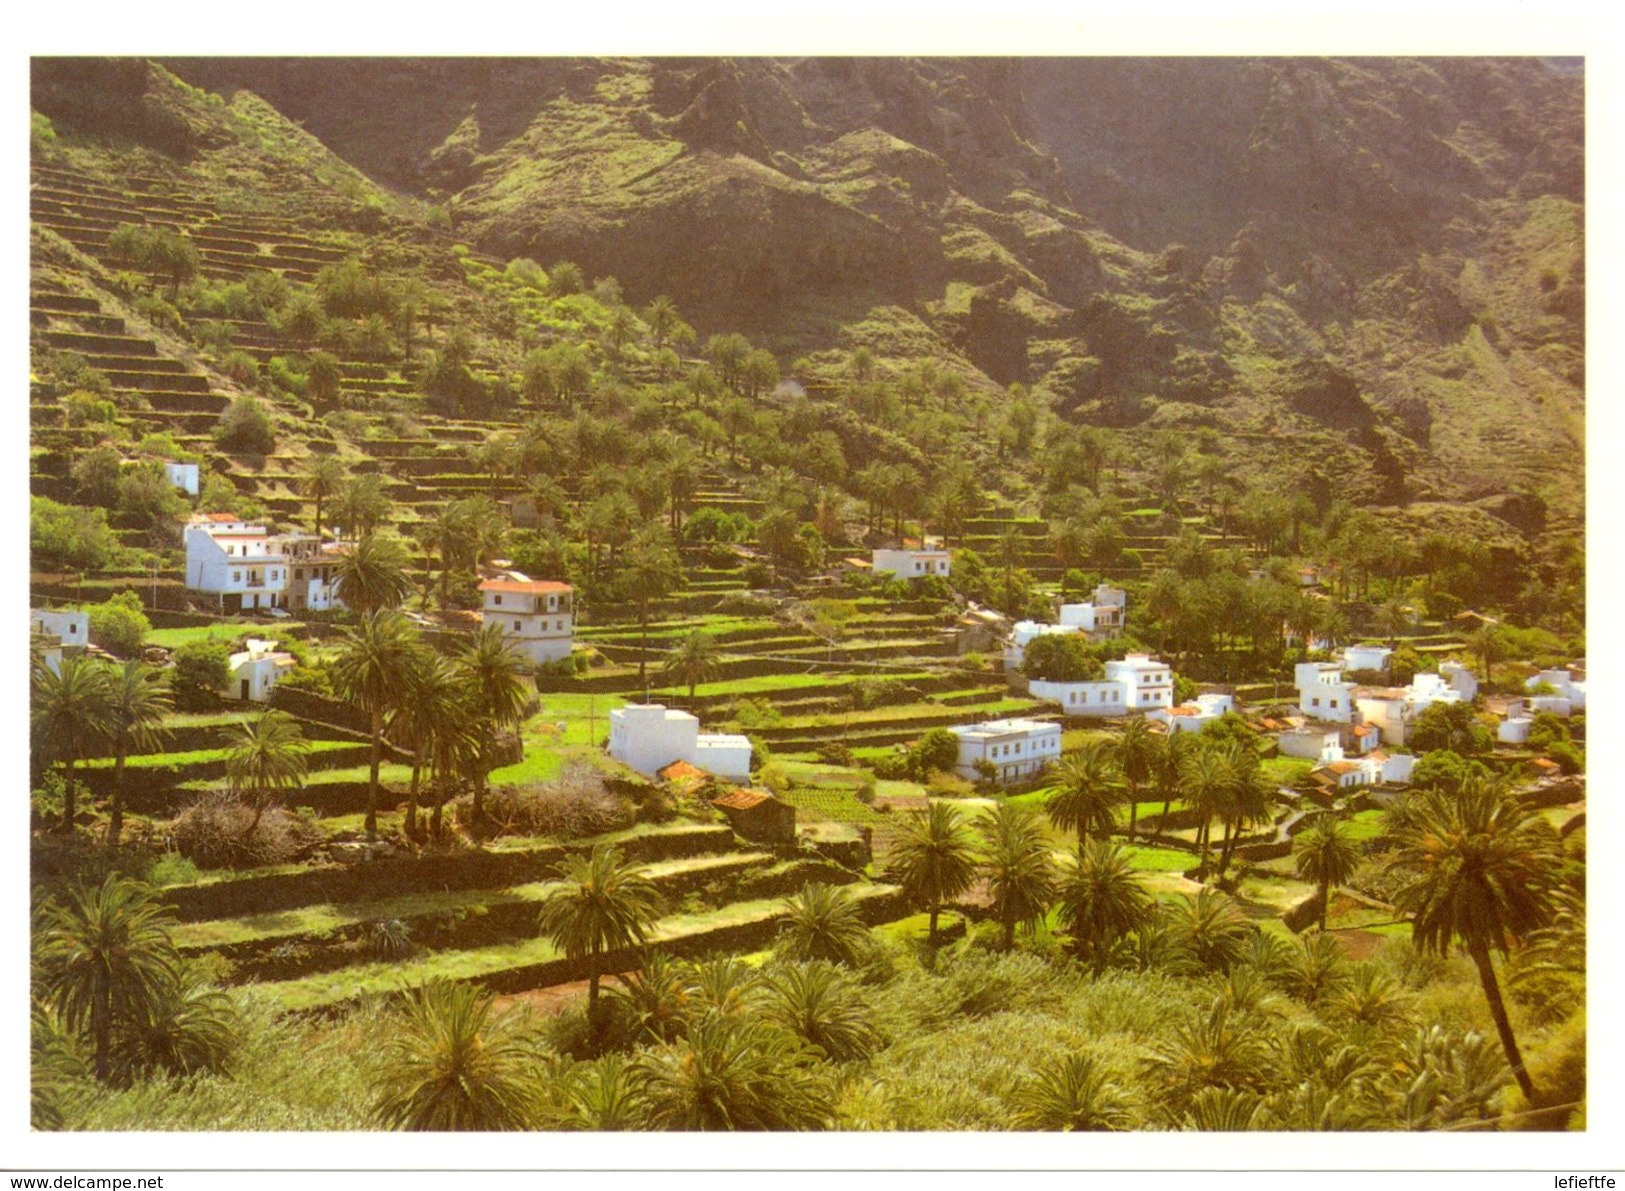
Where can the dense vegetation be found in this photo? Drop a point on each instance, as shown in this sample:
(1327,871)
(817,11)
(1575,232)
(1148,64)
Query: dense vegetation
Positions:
(455,342)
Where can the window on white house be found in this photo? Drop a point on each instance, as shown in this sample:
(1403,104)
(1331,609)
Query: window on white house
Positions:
(236,576)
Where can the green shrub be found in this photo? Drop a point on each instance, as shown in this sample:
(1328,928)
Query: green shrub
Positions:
(120,626)
(201,671)
(245,428)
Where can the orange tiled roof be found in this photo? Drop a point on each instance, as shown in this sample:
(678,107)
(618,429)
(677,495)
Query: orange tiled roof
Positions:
(682,771)
(529,587)
(741,800)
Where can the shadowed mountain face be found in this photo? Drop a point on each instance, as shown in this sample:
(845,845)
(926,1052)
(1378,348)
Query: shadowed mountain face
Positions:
(1387,250)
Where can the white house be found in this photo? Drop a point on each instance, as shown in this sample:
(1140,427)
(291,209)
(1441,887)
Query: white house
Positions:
(911,563)
(536,614)
(1392,709)
(57,632)
(1148,681)
(238,562)
(70,629)
(1024,633)
(1514,729)
(313,565)
(1101,618)
(1193,717)
(1460,679)
(1564,684)
(1015,748)
(1373,769)
(1366,657)
(1322,692)
(253,674)
(650,736)
(1083,698)
(1314,742)
(183,476)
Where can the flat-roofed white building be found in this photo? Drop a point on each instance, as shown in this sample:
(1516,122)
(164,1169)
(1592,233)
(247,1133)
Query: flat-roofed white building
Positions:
(1322,692)
(537,615)
(1193,717)
(1564,685)
(650,736)
(58,634)
(183,476)
(1366,657)
(1097,699)
(1015,748)
(1102,617)
(253,673)
(1025,632)
(911,563)
(1148,681)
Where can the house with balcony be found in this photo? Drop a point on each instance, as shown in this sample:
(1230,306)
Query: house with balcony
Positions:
(536,615)
(1016,748)
(649,737)
(240,563)
(247,568)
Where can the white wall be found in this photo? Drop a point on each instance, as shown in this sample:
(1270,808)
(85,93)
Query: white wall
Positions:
(1083,698)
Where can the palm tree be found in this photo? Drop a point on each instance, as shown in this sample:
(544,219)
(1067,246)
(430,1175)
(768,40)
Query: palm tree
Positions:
(71,711)
(1316,970)
(140,701)
(1486,642)
(823,922)
(731,1074)
(372,670)
(602,1096)
(324,479)
(1480,871)
(268,757)
(933,858)
(1019,866)
(1327,854)
(693,661)
(1103,899)
(1208,784)
(371,575)
(452,1065)
(107,959)
(1247,800)
(819,1004)
(493,672)
(434,706)
(604,905)
(1172,754)
(1216,1049)
(652,572)
(1071,1093)
(1213,929)
(1088,793)
(1137,749)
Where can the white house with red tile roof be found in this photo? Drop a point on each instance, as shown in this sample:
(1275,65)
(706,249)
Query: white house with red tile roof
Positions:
(1193,717)
(537,615)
